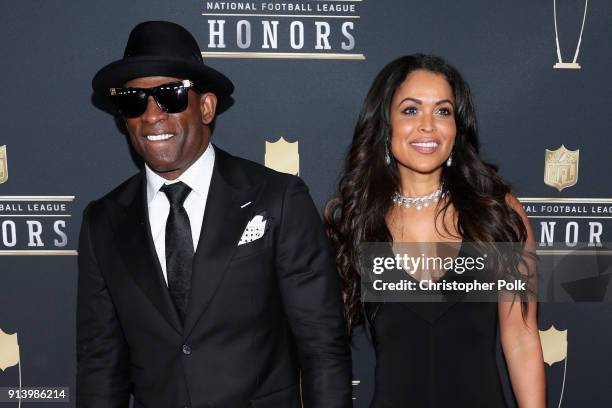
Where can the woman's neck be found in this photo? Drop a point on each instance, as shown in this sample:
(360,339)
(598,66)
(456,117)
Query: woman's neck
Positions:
(415,184)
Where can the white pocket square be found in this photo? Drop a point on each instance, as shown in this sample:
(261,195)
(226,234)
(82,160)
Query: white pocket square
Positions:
(254,230)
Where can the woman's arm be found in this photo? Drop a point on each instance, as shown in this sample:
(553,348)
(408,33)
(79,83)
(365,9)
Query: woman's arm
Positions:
(520,339)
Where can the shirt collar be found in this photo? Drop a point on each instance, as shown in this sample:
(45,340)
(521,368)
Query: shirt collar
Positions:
(197,176)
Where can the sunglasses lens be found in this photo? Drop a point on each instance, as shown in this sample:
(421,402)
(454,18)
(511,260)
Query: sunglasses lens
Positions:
(131,103)
(172,98)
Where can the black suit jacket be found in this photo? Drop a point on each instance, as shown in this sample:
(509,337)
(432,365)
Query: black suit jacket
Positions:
(264,321)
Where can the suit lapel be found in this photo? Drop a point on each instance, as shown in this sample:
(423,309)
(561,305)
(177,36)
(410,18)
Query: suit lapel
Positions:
(136,245)
(223,224)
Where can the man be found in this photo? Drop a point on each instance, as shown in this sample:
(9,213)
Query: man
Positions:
(206,280)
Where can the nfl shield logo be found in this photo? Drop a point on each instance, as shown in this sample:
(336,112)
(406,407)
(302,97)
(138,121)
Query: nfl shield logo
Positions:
(283,156)
(561,167)
(3,165)
(9,350)
(554,345)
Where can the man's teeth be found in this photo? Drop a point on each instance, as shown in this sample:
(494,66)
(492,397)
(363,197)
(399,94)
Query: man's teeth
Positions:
(154,138)
(426,145)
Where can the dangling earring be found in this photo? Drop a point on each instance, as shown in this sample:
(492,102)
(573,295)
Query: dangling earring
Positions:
(387,155)
(449,161)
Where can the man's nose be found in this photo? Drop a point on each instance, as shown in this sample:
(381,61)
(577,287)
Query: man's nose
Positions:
(153,113)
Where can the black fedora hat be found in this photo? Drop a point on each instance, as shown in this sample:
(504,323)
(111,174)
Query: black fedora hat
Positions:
(162,48)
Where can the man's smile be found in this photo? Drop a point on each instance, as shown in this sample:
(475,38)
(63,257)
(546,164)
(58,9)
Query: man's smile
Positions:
(163,136)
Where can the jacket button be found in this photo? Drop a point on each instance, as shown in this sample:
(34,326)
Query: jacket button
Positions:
(186,349)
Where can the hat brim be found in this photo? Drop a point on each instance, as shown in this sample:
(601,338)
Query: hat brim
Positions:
(117,73)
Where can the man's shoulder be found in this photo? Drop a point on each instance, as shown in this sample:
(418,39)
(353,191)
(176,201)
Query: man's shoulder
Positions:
(123,194)
(250,172)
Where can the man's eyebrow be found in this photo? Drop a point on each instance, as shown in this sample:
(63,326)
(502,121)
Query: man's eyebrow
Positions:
(420,102)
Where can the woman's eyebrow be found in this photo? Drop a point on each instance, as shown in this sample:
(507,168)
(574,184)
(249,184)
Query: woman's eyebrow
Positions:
(420,102)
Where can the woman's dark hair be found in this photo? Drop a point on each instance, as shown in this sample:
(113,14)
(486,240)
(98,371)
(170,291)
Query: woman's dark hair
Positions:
(357,213)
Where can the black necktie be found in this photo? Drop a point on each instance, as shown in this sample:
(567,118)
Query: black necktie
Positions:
(179,246)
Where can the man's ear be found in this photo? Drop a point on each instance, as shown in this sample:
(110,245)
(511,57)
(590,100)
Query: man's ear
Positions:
(208,107)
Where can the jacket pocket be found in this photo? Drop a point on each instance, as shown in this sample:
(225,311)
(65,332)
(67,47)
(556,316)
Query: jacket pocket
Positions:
(252,248)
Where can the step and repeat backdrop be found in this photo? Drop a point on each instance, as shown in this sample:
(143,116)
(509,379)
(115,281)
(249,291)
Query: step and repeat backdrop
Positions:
(539,70)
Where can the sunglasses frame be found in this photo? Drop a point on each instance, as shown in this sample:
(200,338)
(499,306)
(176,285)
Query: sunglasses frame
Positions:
(153,91)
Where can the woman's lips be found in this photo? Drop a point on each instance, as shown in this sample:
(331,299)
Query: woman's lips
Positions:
(425,147)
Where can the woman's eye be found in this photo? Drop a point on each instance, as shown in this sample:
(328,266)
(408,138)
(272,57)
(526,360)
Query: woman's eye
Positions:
(410,110)
(444,111)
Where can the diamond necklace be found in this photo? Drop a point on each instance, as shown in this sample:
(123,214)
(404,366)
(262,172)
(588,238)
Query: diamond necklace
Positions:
(419,201)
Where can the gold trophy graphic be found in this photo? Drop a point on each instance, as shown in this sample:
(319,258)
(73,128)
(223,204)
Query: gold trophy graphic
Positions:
(574,64)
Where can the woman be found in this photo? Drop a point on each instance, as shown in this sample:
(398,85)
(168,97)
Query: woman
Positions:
(413,174)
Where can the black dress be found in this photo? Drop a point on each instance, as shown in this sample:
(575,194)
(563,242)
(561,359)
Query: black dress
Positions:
(440,354)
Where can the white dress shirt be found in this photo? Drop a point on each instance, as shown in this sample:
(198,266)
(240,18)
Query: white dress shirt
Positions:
(197,177)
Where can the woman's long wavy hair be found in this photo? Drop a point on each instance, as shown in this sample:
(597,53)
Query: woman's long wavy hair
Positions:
(357,213)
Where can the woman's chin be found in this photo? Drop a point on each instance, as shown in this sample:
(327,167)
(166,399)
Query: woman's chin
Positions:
(421,168)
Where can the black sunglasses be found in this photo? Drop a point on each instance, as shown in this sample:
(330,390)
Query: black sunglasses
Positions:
(171,98)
